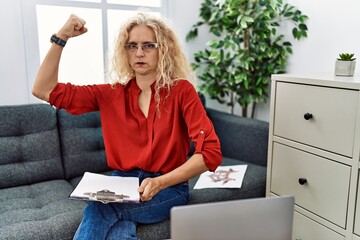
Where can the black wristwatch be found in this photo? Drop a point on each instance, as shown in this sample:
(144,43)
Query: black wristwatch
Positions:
(57,40)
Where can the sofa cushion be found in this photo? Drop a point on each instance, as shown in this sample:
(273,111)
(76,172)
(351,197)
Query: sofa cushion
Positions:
(155,231)
(39,211)
(254,185)
(241,138)
(29,145)
(82,144)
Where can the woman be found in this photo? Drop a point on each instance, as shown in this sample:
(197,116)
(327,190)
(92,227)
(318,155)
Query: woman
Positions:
(149,114)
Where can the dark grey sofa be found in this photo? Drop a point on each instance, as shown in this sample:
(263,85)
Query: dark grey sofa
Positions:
(44,152)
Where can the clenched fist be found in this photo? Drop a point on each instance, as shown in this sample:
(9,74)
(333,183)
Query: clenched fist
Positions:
(74,26)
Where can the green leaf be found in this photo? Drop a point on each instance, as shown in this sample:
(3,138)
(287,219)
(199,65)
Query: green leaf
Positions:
(263,47)
(213,17)
(288,14)
(215,31)
(287,44)
(238,19)
(213,43)
(214,56)
(303,18)
(248,19)
(273,31)
(240,78)
(246,84)
(295,33)
(243,23)
(220,3)
(192,34)
(303,27)
(259,90)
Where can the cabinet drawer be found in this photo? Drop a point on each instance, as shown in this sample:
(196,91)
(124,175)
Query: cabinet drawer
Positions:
(355,237)
(332,125)
(306,229)
(325,192)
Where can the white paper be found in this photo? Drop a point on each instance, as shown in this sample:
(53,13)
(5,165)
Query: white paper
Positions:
(93,182)
(223,177)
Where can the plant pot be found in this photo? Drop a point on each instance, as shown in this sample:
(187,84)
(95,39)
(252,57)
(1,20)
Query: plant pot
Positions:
(344,68)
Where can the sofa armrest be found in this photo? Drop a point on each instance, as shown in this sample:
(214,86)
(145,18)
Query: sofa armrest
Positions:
(241,138)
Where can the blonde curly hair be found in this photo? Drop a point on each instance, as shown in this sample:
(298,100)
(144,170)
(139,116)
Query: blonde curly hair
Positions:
(173,64)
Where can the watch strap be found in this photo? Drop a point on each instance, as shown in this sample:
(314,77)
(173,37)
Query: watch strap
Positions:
(57,40)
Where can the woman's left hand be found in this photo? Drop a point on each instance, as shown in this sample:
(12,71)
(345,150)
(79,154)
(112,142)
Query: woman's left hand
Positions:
(149,187)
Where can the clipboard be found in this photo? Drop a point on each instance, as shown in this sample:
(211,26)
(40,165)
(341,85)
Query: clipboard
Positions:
(106,189)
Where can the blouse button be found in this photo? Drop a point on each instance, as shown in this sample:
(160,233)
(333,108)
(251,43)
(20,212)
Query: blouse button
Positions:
(202,132)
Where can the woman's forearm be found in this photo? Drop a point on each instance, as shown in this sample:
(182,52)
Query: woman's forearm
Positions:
(193,167)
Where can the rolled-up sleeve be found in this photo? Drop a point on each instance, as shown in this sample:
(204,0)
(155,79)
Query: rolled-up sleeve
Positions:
(201,129)
(76,99)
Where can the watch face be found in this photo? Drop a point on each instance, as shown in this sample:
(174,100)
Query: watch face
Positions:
(53,38)
(58,41)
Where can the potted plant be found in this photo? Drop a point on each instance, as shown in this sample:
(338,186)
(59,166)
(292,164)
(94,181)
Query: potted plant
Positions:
(248,47)
(345,64)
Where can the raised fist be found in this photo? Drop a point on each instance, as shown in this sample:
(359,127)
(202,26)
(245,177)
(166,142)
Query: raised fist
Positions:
(74,26)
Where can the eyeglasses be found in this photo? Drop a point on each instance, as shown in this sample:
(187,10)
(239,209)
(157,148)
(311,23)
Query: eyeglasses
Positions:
(146,47)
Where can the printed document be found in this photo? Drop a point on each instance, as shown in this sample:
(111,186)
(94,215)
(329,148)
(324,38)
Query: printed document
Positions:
(223,177)
(106,189)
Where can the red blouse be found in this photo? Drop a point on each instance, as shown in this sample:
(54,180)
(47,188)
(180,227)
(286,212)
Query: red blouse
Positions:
(158,143)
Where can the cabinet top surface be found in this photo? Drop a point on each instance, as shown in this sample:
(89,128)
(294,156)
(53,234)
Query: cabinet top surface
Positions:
(322,79)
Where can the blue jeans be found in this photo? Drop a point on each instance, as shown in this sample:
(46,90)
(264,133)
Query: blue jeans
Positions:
(119,220)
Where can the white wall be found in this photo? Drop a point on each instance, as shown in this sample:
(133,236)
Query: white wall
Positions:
(14,87)
(333,28)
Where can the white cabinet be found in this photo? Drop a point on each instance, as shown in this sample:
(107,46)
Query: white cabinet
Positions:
(357,213)
(314,148)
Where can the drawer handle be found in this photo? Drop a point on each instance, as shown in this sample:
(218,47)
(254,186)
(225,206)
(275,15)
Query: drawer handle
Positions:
(302,181)
(308,116)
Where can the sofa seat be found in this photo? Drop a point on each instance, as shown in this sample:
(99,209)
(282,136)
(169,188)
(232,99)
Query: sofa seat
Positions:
(39,211)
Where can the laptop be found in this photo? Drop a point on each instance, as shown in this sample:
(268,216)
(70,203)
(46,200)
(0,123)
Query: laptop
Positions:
(250,219)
